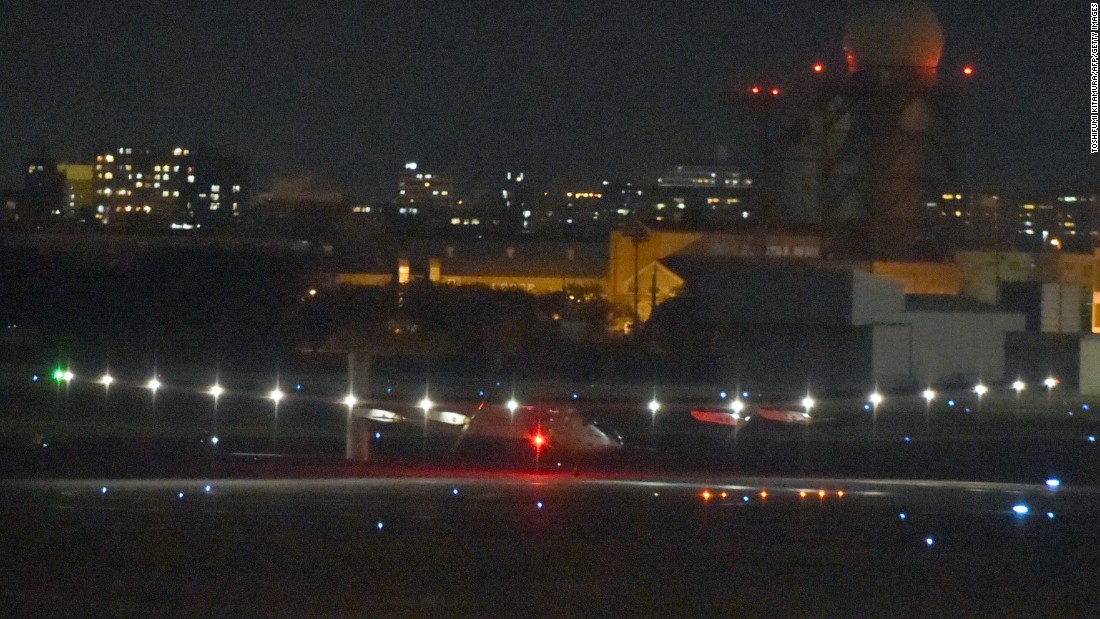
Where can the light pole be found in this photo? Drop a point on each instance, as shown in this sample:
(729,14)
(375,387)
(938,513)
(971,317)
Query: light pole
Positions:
(1050,383)
(425,405)
(153,386)
(980,389)
(653,406)
(106,381)
(1018,386)
(875,399)
(217,392)
(928,394)
(276,396)
(512,407)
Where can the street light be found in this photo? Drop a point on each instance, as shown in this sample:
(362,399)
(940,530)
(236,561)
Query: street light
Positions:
(653,407)
(875,398)
(1018,386)
(350,401)
(153,385)
(737,406)
(928,394)
(425,405)
(980,389)
(106,380)
(217,392)
(1050,383)
(808,403)
(276,395)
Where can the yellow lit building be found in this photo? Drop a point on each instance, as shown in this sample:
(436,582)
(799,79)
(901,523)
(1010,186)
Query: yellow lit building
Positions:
(639,281)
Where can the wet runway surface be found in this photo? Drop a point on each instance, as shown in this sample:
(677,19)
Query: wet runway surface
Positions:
(504,544)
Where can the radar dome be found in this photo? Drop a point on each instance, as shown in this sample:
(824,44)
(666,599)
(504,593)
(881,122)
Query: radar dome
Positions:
(893,33)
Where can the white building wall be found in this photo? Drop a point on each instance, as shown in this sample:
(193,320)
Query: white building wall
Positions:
(960,345)
(1089,379)
(874,297)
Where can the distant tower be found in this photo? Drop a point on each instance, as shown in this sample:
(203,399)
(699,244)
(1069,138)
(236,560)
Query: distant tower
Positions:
(862,161)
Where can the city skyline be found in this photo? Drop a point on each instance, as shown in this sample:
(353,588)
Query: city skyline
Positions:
(349,93)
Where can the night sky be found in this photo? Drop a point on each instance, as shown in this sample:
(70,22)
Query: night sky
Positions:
(350,90)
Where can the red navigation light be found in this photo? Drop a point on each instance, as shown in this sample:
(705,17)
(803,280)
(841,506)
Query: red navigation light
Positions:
(818,67)
(775,92)
(538,440)
(968,70)
(755,90)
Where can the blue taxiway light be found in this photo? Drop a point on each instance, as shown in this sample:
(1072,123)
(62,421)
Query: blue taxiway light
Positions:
(538,504)
(908,440)
(1050,515)
(722,394)
(103,490)
(380,525)
(745,498)
(866,407)
(34,379)
(298,387)
(454,491)
(1053,482)
(207,488)
(1020,509)
(901,515)
(1084,407)
(377,435)
(180,496)
(1092,438)
(744,394)
(928,541)
(950,402)
(576,395)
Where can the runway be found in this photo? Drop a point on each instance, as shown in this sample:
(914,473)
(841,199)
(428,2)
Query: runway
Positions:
(554,545)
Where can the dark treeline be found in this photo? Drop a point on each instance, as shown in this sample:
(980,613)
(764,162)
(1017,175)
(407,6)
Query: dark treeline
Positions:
(184,304)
